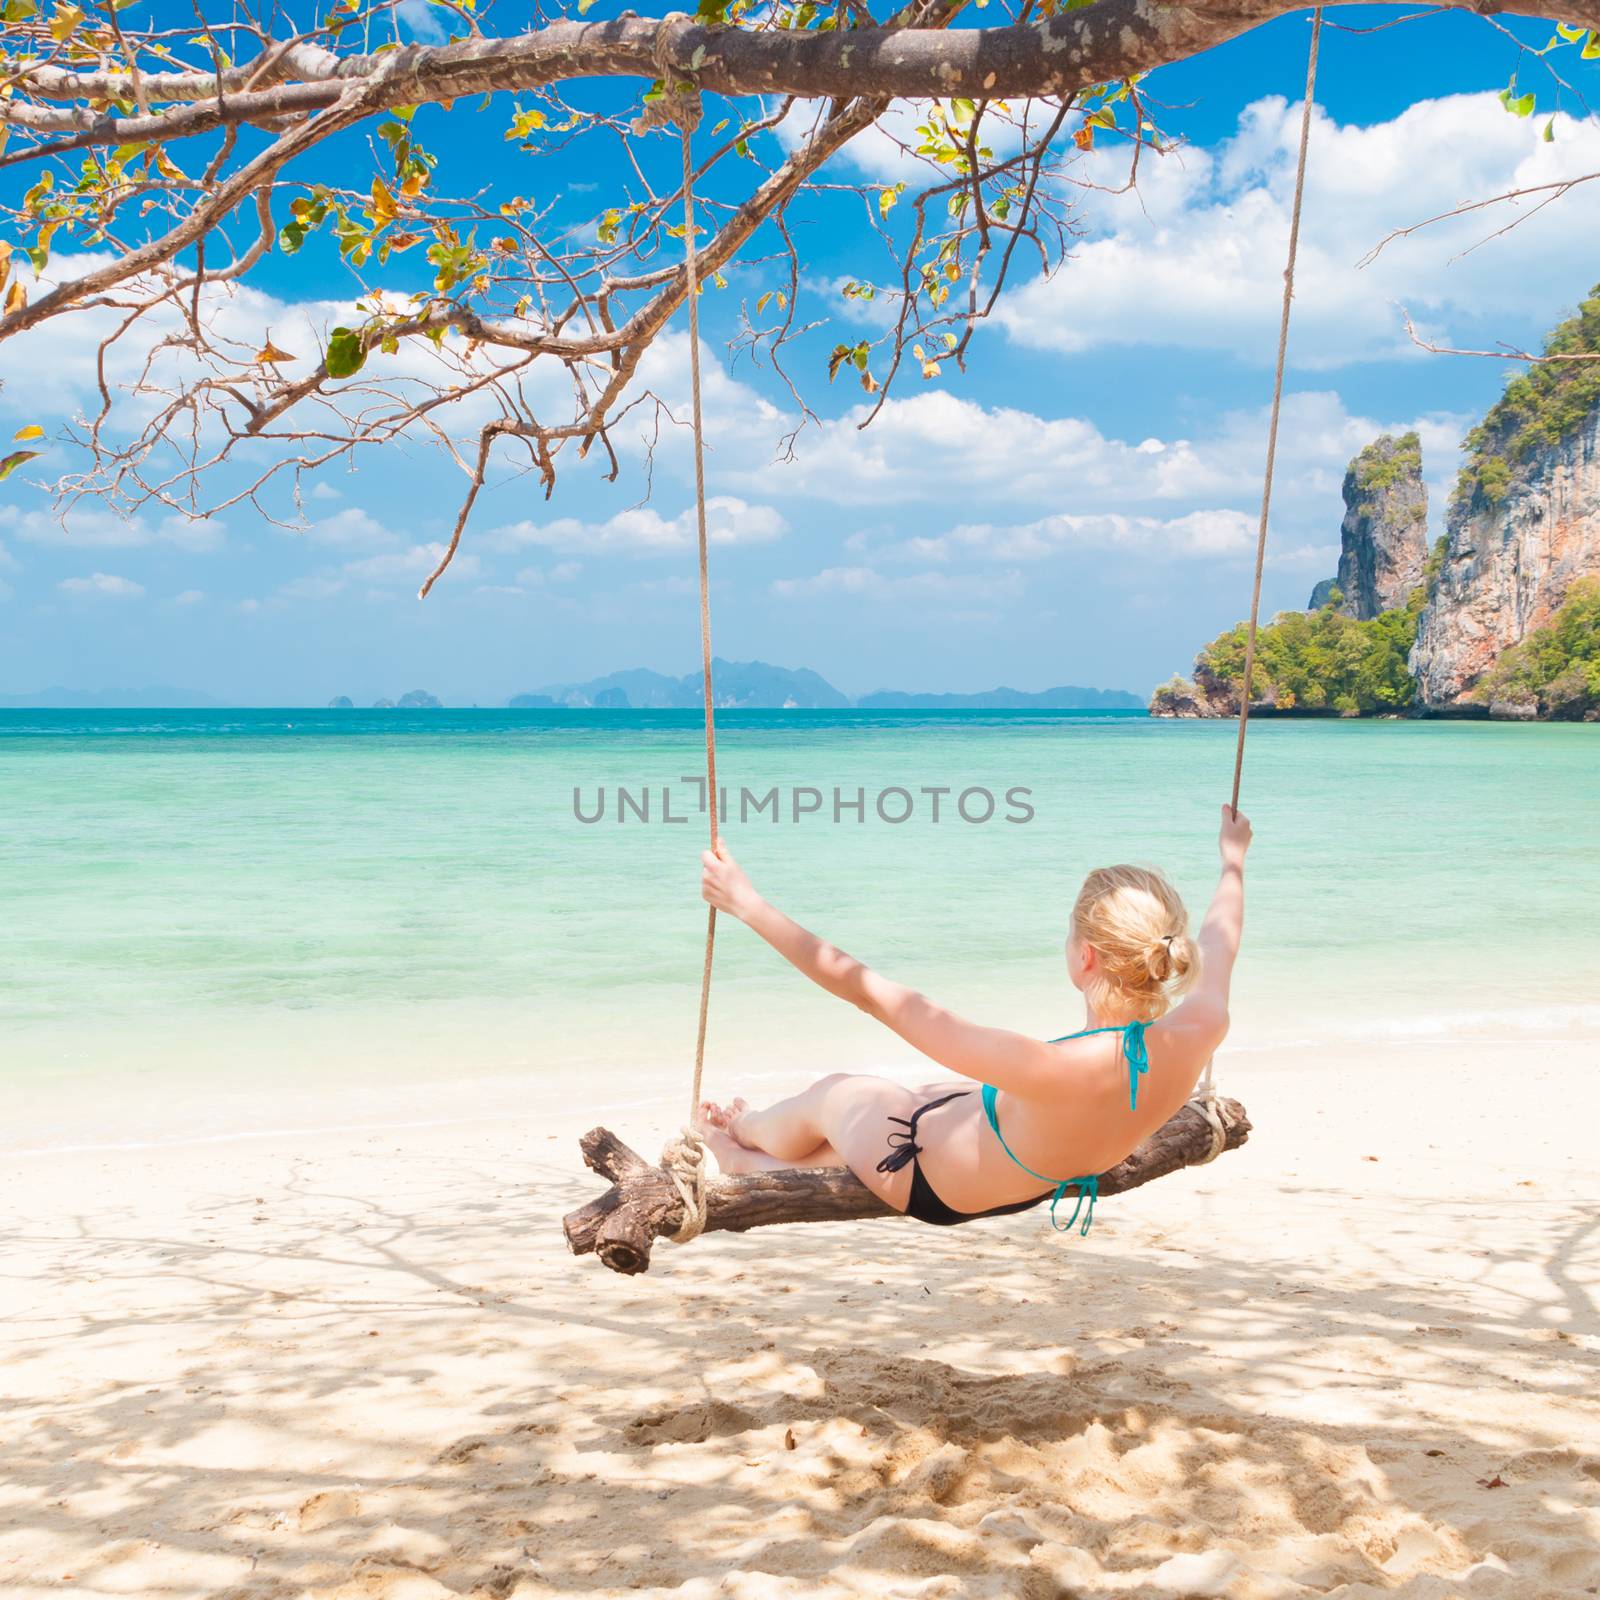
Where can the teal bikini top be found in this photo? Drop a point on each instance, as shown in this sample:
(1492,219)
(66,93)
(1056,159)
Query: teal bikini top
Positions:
(1087,1188)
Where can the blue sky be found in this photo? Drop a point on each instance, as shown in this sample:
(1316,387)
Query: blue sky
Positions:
(1078,508)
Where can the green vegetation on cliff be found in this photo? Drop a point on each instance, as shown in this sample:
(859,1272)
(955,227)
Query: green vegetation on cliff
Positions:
(1386,460)
(1323,660)
(1557,666)
(1540,408)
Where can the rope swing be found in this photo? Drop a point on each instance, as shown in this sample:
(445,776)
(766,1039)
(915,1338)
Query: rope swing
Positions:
(1277,403)
(679,104)
(1206,1096)
(685,1157)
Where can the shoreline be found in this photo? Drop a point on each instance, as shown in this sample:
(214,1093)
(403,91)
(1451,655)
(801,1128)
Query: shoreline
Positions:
(362,1104)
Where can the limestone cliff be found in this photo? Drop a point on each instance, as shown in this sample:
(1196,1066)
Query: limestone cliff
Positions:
(1383,540)
(1522,530)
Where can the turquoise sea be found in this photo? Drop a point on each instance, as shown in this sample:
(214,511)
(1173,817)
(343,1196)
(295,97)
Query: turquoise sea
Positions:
(218,922)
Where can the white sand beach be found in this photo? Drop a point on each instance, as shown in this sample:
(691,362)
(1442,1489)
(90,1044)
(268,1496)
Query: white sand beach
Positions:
(1359,1357)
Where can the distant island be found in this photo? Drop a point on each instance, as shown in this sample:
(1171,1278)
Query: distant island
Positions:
(159,697)
(412,700)
(756,685)
(739,685)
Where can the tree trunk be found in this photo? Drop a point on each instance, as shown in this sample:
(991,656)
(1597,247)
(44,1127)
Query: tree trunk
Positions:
(643,1203)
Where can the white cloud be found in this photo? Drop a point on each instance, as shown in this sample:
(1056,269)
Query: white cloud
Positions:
(350,529)
(1194,258)
(102,583)
(409,566)
(189,597)
(561,572)
(314,586)
(1199,533)
(642,529)
(95,529)
(940,448)
(923,587)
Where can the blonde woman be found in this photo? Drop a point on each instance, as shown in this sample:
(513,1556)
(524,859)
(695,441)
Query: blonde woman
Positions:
(1042,1117)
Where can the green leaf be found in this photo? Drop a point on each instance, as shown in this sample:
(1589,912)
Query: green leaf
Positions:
(39,253)
(1519,105)
(526,121)
(346,355)
(1550,131)
(11,462)
(1591,48)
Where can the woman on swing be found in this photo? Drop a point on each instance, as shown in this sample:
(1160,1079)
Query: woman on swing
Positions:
(1040,1118)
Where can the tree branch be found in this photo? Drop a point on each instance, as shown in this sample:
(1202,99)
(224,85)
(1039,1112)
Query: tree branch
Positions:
(1057,56)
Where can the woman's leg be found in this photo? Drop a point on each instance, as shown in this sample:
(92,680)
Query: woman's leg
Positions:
(841,1120)
(734,1158)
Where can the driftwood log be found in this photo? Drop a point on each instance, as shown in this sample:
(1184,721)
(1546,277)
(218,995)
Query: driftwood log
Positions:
(643,1203)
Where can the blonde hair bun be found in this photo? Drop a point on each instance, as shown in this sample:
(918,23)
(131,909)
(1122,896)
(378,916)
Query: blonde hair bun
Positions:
(1136,923)
(1169,958)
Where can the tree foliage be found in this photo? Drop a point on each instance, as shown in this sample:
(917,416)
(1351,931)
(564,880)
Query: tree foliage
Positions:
(1557,666)
(1539,408)
(1323,660)
(168,164)
(1386,460)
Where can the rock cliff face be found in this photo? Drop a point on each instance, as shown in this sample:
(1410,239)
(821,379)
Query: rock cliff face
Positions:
(1383,541)
(1515,545)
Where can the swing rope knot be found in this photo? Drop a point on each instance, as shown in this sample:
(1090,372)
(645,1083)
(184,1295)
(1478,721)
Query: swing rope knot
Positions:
(1206,1101)
(684,1161)
(678,102)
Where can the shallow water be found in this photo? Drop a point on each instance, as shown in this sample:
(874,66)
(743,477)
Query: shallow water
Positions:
(219,922)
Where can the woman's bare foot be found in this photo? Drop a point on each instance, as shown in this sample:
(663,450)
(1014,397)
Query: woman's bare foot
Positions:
(713,1118)
(732,1157)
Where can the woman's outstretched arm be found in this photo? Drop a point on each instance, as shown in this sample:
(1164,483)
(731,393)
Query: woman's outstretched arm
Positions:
(1011,1061)
(1205,1011)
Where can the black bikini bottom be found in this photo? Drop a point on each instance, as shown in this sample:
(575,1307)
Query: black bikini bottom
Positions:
(924,1204)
